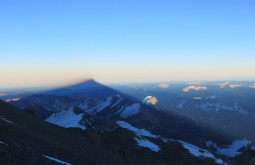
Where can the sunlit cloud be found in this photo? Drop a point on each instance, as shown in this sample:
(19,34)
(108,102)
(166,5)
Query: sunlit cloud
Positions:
(227,84)
(197,88)
(232,86)
(164,85)
(12,100)
(253,85)
(195,82)
(222,85)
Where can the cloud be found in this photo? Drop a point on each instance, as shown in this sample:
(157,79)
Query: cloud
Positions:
(232,86)
(164,85)
(227,84)
(195,82)
(222,85)
(187,89)
(12,100)
(253,85)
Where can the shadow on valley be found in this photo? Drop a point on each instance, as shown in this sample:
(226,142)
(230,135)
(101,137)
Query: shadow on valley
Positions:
(100,100)
(88,121)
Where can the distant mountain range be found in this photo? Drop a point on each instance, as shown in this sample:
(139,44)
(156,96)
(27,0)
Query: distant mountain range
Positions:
(179,123)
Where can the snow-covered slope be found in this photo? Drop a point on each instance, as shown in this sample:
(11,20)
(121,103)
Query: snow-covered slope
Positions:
(56,160)
(233,149)
(198,152)
(141,141)
(130,110)
(141,132)
(147,144)
(67,119)
(101,106)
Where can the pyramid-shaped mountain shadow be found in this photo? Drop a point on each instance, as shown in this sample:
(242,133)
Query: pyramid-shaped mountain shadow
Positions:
(87,88)
(163,123)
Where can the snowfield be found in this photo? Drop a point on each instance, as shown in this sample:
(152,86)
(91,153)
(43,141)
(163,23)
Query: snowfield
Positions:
(66,119)
(147,144)
(130,110)
(101,106)
(198,152)
(232,150)
(141,132)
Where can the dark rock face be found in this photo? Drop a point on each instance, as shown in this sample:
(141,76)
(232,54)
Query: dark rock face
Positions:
(25,139)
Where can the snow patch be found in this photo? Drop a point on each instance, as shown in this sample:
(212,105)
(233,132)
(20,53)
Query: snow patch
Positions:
(102,106)
(211,97)
(197,98)
(66,119)
(181,104)
(232,150)
(83,106)
(147,144)
(121,109)
(167,140)
(130,110)
(198,152)
(1,142)
(56,160)
(8,121)
(119,99)
(141,132)
(253,148)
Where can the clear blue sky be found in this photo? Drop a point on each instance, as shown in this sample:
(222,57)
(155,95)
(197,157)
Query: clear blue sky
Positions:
(46,42)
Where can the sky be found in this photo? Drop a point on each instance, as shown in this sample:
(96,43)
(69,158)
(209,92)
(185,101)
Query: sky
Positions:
(53,42)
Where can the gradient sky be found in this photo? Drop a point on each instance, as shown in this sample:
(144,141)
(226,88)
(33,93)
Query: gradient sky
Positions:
(50,42)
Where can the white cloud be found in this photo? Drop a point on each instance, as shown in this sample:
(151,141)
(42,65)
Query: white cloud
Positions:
(253,85)
(164,85)
(195,82)
(12,100)
(187,89)
(222,85)
(232,86)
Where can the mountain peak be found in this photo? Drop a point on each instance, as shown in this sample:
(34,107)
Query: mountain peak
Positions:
(150,100)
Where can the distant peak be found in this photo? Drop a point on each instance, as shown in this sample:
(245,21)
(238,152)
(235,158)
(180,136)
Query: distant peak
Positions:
(150,100)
